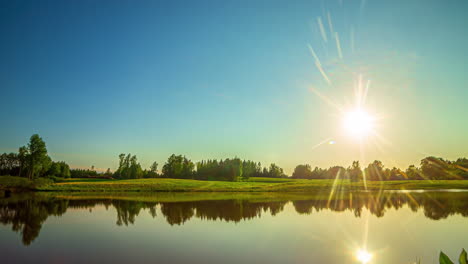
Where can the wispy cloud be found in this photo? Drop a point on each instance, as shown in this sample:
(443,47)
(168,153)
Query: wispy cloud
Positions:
(318,64)
(330,24)
(338,45)
(322,29)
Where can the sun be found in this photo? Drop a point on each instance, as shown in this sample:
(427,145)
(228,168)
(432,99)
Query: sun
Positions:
(363,256)
(358,123)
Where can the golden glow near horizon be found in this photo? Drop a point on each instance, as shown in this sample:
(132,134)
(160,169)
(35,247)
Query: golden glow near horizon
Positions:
(363,256)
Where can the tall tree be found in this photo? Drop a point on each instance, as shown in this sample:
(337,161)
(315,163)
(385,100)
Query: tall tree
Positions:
(22,157)
(135,168)
(38,161)
(54,169)
(434,168)
(178,166)
(355,172)
(275,171)
(302,172)
(129,168)
(375,171)
(154,167)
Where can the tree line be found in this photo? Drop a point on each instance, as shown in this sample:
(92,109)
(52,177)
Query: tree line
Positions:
(431,168)
(180,167)
(32,161)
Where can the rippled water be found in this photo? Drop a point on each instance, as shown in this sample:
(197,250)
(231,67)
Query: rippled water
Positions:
(232,228)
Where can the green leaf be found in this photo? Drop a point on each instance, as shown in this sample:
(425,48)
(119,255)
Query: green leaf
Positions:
(444,259)
(463,258)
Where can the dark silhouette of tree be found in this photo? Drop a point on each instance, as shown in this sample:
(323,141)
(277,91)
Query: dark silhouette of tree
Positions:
(83,173)
(438,169)
(177,213)
(355,172)
(275,171)
(223,170)
(413,173)
(375,171)
(22,160)
(302,172)
(10,164)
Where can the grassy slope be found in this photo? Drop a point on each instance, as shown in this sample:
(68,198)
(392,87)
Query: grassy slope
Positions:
(253,185)
(21,183)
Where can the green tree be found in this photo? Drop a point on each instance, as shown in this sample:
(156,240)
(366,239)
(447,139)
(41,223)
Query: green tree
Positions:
(59,169)
(136,171)
(275,172)
(9,164)
(317,173)
(355,172)
(37,159)
(108,173)
(65,170)
(152,172)
(251,169)
(233,169)
(54,169)
(129,168)
(23,159)
(154,167)
(302,172)
(437,169)
(178,166)
(375,171)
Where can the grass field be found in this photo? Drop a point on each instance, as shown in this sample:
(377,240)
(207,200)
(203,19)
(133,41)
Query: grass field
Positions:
(21,183)
(252,185)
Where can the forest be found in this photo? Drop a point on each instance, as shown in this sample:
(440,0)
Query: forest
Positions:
(32,161)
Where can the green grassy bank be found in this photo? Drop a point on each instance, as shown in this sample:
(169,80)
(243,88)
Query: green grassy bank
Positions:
(252,185)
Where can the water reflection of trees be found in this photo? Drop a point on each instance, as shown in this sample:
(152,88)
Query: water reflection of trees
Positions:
(27,214)
(227,210)
(435,205)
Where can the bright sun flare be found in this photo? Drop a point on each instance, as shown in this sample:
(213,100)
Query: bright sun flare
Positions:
(363,256)
(358,123)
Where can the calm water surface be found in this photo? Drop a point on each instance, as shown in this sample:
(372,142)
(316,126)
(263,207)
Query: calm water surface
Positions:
(232,228)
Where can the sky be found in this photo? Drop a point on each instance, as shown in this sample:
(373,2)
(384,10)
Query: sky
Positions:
(220,79)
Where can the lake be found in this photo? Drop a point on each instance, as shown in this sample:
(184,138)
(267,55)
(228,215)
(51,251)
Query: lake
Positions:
(232,228)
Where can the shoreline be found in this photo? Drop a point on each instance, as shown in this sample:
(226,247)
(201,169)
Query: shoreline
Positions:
(253,185)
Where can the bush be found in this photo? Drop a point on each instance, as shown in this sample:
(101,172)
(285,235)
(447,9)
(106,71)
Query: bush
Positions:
(56,179)
(21,183)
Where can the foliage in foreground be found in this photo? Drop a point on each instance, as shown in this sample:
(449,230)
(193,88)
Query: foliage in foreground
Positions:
(444,259)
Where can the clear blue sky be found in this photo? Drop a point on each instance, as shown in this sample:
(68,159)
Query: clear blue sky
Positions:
(217,79)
